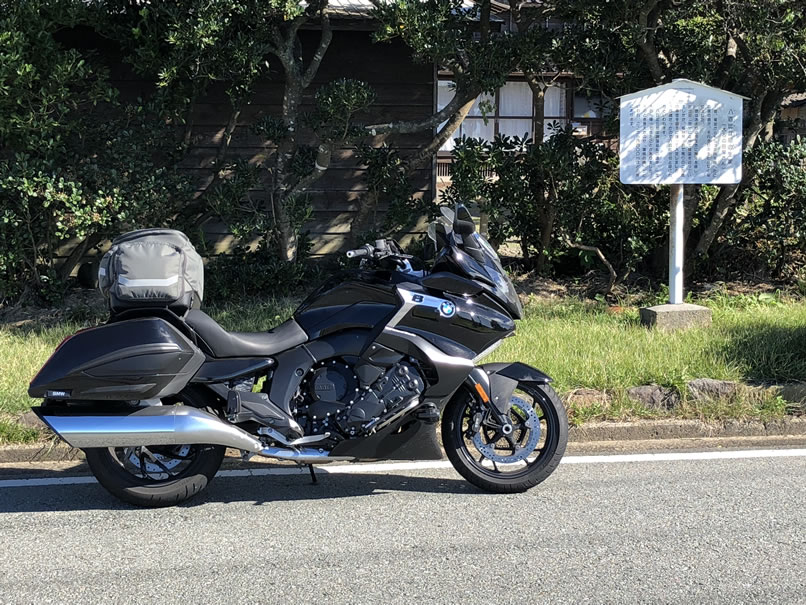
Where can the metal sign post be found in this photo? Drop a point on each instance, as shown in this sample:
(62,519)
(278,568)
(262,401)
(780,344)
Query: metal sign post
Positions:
(679,133)
(676,245)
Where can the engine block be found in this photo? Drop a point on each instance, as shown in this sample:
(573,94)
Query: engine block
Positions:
(339,399)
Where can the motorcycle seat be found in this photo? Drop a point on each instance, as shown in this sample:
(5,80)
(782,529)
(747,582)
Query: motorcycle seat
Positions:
(221,343)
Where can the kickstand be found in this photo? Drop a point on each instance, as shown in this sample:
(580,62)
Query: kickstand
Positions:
(314,480)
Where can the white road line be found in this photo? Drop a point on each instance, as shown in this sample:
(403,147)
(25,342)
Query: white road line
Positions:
(385,467)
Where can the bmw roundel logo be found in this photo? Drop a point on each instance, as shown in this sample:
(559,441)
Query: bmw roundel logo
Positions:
(447,308)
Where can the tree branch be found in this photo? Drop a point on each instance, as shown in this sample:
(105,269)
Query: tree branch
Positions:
(727,61)
(484,21)
(646,43)
(446,113)
(324,43)
(600,254)
(440,138)
(321,164)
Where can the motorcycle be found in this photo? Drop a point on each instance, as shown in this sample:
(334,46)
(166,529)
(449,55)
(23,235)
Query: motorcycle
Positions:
(365,370)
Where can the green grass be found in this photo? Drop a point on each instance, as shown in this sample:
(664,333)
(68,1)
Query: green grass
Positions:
(578,343)
(585,345)
(581,344)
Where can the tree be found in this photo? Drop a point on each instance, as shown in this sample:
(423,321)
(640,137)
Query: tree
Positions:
(186,45)
(756,48)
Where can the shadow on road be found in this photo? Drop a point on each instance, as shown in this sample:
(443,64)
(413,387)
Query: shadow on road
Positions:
(260,490)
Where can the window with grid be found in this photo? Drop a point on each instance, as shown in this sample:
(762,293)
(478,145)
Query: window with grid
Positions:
(514,112)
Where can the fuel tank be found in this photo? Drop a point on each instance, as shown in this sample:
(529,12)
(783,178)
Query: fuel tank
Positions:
(144,358)
(341,305)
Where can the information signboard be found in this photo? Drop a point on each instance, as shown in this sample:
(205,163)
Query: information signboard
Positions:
(681,132)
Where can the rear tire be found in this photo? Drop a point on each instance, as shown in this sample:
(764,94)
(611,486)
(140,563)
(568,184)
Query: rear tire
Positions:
(149,492)
(459,447)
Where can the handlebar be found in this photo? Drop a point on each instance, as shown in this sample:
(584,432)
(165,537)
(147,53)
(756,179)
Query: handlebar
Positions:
(365,250)
(383,248)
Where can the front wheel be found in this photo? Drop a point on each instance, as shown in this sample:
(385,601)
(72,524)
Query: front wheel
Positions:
(505,463)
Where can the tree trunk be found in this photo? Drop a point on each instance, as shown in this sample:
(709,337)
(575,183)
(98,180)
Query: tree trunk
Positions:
(760,125)
(77,254)
(691,199)
(546,227)
(361,221)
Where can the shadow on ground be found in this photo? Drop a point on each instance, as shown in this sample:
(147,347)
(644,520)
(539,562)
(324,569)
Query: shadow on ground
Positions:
(766,352)
(258,491)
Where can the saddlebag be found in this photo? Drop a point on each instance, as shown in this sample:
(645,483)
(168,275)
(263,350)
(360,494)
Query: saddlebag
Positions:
(144,358)
(152,268)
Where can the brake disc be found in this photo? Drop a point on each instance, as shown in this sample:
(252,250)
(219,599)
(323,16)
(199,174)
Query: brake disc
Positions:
(522,450)
(167,461)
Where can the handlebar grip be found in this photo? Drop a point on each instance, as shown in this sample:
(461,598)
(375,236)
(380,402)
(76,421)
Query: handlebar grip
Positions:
(363,251)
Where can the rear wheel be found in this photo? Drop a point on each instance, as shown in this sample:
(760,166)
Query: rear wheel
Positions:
(155,475)
(158,475)
(516,461)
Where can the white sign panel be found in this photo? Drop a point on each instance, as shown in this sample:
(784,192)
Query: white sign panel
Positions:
(682,132)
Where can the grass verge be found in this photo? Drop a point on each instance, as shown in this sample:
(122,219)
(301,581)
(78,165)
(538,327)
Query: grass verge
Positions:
(581,344)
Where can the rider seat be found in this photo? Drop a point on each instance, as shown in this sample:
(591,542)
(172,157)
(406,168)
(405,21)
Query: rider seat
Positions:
(221,343)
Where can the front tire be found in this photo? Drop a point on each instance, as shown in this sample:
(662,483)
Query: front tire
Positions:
(510,463)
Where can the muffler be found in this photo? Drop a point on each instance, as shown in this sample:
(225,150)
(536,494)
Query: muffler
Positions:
(168,425)
(154,425)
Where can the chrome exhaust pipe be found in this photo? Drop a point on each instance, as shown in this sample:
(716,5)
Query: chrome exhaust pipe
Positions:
(155,425)
(305,455)
(170,425)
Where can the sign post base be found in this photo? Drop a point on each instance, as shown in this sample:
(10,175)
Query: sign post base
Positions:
(675,317)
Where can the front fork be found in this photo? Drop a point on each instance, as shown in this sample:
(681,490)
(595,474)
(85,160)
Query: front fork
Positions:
(495,392)
(494,384)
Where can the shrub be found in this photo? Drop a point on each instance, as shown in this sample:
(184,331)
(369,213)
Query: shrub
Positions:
(76,165)
(261,273)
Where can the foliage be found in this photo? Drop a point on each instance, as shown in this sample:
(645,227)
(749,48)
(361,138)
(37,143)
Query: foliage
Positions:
(440,32)
(560,192)
(258,273)
(76,163)
(756,48)
(388,181)
(769,223)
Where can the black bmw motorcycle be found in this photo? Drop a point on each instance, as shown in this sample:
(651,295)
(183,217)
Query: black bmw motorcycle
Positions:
(364,370)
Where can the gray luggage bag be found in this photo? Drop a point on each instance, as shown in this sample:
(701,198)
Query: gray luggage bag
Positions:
(152,268)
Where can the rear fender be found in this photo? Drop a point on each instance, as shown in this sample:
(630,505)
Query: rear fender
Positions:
(494,383)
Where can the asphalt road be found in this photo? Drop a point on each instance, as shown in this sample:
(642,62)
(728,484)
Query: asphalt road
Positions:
(699,531)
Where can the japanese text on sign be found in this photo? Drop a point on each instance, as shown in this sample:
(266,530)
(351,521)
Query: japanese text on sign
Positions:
(681,132)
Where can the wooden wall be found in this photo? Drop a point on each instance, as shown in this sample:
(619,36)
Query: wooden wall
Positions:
(404,90)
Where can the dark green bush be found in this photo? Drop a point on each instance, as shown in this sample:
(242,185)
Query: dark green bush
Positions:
(554,195)
(260,274)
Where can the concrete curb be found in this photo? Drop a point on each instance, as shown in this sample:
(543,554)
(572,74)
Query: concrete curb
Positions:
(682,429)
(594,432)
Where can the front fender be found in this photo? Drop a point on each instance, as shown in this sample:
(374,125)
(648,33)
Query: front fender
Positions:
(517,371)
(495,382)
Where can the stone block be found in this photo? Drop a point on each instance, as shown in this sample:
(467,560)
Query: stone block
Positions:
(654,397)
(675,317)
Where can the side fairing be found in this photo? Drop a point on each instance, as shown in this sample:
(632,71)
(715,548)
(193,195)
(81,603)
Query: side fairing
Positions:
(471,324)
(339,306)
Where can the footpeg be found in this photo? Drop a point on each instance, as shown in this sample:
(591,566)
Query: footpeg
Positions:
(429,414)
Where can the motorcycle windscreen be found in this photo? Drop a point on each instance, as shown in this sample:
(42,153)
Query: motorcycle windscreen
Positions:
(145,358)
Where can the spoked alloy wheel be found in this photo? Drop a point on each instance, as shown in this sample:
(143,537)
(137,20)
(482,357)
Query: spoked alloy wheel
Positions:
(157,475)
(497,459)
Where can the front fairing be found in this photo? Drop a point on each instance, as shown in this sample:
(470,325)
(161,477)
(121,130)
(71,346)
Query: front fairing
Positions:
(488,272)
